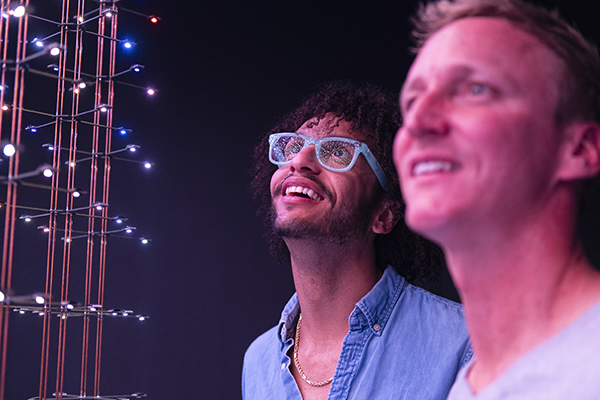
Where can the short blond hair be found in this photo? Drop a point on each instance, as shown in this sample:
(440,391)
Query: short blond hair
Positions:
(579,87)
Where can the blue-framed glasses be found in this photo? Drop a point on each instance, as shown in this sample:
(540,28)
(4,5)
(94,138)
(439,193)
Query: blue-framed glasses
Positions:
(334,153)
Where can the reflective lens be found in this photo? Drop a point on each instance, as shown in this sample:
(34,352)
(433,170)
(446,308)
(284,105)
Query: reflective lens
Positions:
(333,153)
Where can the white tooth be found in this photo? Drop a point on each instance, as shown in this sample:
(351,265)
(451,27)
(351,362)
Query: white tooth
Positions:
(311,193)
(431,166)
(305,191)
(287,191)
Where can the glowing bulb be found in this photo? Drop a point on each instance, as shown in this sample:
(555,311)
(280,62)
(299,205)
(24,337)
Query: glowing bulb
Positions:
(76,193)
(127,44)
(82,85)
(39,299)
(129,230)
(99,207)
(141,318)
(70,306)
(21,311)
(108,14)
(9,150)
(147,165)
(151,91)
(1,297)
(38,42)
(153,19)
(144,240)
(19,11)
(47,173)
(55,51)
(46,229)
(4,107)
(27,219)
(103,109)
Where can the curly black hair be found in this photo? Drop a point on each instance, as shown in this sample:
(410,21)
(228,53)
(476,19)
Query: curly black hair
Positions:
(368,108)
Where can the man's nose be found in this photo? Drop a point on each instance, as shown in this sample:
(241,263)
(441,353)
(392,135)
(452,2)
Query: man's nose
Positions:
(428,115)
(306,160)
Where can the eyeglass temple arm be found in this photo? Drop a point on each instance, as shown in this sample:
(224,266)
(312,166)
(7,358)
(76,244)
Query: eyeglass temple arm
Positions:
(379,173)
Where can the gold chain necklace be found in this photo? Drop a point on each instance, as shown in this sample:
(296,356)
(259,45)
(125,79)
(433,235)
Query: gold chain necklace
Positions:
(297,363)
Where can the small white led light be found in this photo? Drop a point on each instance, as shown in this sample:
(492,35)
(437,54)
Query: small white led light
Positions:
(18,12)
(9,150)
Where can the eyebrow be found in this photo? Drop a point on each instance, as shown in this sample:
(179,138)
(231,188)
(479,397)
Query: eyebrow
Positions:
(455,72)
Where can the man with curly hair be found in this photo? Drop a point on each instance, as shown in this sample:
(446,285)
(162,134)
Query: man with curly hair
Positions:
(356,328)
(501,136)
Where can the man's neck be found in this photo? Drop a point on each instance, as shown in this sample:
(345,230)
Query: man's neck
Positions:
(518,291)
(330,279)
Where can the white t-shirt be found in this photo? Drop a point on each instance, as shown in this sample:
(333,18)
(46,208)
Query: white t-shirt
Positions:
(565,367)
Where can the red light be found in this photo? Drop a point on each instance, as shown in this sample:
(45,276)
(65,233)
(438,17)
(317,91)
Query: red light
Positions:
(153,19)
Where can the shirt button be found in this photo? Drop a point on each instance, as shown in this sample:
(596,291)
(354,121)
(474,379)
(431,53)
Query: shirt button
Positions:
(376,327)
(283,367)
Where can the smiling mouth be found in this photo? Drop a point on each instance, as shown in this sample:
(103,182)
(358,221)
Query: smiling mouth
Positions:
(427,167)
(302,192)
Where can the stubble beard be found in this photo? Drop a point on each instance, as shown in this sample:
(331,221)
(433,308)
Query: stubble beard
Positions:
(338,227)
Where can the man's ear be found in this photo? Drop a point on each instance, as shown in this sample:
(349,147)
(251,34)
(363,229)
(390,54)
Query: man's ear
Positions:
(386,217)
(581,157)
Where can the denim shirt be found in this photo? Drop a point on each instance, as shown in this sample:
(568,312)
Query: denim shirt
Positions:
(403,343)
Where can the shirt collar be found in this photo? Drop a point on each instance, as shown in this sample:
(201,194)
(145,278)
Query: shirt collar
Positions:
(372,311)
(286,326)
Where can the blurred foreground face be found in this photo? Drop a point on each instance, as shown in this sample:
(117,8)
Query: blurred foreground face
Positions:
(479,143)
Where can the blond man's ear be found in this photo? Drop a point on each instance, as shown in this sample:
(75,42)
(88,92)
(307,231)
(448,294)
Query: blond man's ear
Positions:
(581,157)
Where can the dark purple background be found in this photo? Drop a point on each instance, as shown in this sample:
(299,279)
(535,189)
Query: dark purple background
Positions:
(225,72)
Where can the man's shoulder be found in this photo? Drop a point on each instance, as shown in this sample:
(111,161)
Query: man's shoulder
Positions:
(432,301)
(262,344)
